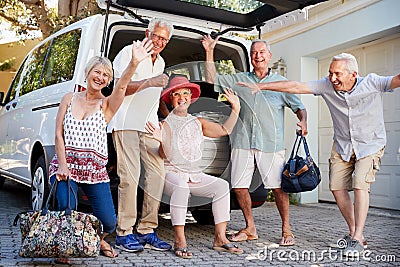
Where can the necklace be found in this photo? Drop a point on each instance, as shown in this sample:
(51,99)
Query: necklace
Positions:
(90,100)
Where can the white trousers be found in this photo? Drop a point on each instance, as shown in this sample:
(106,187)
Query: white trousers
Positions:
(211,187)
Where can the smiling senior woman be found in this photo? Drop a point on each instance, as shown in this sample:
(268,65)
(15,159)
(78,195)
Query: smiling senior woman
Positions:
(180,136)
(81,139)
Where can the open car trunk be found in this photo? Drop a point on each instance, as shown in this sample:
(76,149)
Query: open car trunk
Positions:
(185,55)
(190,19)
(242,14)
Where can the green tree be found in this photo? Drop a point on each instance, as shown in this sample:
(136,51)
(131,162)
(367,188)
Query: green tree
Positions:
(29,15)
(239,6)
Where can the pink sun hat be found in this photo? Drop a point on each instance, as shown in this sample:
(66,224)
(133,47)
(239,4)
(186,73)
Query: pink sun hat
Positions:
(179,82)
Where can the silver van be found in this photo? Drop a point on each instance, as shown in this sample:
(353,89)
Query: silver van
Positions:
(55,67)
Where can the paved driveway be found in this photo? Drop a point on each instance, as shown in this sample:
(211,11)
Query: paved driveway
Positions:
(314,225)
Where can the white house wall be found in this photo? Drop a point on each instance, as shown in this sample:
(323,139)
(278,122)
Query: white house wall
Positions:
(333,27)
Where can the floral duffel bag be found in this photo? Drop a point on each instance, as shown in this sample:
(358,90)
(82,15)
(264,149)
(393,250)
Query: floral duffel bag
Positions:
(59,234)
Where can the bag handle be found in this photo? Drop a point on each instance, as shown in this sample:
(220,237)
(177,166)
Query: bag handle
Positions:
(300,136)
(307,151)
(292,162)
(292,154)
(52,192)
(68,209)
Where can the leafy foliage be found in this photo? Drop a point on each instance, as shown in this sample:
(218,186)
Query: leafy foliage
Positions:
(60,64)
(7,64)
(51,63)
(239,6)
(30,15)
(21,18)
(26,16)
(89,9)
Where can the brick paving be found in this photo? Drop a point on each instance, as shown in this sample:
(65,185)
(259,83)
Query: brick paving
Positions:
(314,225)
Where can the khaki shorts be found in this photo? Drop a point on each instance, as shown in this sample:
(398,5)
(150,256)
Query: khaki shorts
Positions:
(270,166)
(355,174)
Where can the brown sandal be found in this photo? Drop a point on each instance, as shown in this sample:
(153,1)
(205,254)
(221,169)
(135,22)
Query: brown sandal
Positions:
(287,239)
(179,252)
(108,252)
(229,247)
(247,234)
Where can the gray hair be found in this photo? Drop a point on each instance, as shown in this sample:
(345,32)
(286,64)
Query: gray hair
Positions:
(156,22)
(103,61)
(260,41)
(351,61)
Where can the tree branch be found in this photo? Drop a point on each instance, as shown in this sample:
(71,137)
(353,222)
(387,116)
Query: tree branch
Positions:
(15,22)
(40,11)
(29,15)
(29,2)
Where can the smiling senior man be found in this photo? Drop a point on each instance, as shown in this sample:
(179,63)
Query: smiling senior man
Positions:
(258,135)
(133,147)
(359,139)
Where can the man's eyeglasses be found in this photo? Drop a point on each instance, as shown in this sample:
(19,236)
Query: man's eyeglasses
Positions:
(157,37)
(178,94)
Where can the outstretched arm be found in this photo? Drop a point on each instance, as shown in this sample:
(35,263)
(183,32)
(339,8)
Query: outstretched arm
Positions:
(139,53)
(395,82)
(212,129)
(292,87)
(209,44)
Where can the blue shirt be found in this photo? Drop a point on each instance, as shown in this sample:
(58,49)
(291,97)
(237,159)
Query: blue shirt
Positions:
(261,119)
(357,115)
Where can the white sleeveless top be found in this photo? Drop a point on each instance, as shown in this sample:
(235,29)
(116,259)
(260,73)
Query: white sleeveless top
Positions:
(185,155)
(85,147)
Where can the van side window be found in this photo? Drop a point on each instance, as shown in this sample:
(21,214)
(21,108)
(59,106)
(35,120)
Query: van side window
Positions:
(223,66)
(61,59)
(187,69)
(12,92)
(51,63)
(32,69)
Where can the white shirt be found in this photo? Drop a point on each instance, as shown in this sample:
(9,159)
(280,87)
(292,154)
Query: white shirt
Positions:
(357,115)
(141,106)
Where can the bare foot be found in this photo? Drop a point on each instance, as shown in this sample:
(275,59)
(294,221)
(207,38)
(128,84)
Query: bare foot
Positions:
(243,235)
(228,247)
(183,253)
(287,239)
(107,250)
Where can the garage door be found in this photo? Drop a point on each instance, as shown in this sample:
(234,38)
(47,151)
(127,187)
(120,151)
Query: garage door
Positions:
(381,57)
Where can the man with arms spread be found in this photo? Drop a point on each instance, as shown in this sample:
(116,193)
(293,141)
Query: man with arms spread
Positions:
(259,134)
(133,147)
(359,139)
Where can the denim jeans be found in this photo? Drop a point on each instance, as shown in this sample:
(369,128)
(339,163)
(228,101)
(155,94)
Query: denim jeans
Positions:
(99,196)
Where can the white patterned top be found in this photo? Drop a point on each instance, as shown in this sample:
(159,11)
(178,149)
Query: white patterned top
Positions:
(85,147)
(185,154)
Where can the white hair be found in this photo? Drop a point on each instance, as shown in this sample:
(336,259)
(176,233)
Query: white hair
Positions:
(260,41)
(156,22)
(102,61)
(351,61)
